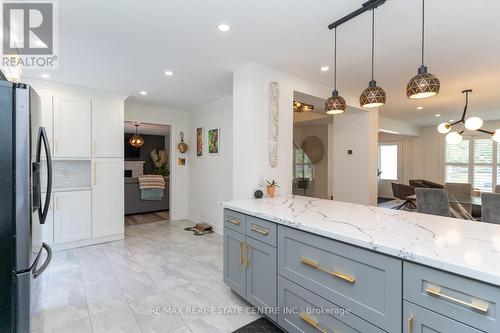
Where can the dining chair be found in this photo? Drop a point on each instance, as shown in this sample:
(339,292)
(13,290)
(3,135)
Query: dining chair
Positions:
(460,192)
(490,209)
(432,201)
(497,189)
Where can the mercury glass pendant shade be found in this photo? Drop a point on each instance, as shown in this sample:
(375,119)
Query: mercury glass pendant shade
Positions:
(373,96)
(422,85)
(136,141)
(335,104)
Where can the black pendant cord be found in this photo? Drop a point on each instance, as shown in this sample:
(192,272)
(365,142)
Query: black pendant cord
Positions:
(335,62)
(373,40)
(423,30)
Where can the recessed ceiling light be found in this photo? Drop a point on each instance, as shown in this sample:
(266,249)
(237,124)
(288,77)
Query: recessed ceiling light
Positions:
(169,73)
(224,27)
(45,75)
(325,69)
(451,120)
(437,115)
(143,93)
(420,107)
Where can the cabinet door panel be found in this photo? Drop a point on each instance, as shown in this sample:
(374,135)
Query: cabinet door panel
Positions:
(420,320)
(72,126)
(107,197)
(72,216)
(46,100)
(234,266)
(261,275)
(107,129)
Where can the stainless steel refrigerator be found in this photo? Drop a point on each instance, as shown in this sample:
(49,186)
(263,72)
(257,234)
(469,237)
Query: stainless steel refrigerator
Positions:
(24,147)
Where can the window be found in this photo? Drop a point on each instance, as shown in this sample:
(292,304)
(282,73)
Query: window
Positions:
(476,161)
(303,165)
(389,161)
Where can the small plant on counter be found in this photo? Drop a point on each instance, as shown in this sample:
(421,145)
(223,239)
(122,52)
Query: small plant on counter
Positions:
(271,187)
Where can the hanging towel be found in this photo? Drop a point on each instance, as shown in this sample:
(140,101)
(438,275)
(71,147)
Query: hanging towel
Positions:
(151,186)
(151,182)
(152,194)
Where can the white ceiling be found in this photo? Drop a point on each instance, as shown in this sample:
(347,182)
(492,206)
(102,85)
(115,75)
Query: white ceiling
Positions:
(126,45)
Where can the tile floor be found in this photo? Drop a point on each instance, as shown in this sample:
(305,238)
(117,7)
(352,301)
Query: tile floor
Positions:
(115,287)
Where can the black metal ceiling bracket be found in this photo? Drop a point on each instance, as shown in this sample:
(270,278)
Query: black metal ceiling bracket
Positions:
(369,5)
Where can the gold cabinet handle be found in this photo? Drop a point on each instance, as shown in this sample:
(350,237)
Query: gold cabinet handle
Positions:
(411,320)
(257,229)
(476,306)
(248,249)
(93,147)
(233,221)
(312,322)
(242,257)
(314,264)
(57,203)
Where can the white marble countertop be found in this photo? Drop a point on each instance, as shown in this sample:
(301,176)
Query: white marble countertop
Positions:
(463,247)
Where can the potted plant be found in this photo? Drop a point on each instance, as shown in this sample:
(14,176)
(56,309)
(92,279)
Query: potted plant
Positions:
(271,188)
(160,160)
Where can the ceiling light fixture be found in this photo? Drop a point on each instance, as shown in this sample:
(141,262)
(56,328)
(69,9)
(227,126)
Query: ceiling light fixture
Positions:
(302,107)
(224,27)
(136,141)
(420,107)
(325,69)
(471,124)
(373,96)
(143,93)
(335,104)
(424,84)
(437,115)
(45,75)
(169,73)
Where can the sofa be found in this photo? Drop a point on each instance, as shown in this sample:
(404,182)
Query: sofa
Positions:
(134,204)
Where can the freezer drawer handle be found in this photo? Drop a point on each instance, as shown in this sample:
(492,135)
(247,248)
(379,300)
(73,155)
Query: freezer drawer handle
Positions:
(37,272)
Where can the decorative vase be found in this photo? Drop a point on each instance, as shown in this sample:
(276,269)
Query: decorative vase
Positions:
(271,191)
(182,146)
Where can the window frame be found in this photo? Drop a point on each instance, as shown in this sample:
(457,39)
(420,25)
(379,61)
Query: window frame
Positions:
(470,165)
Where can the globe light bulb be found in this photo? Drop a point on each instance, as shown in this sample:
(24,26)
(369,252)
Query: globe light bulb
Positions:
(496,135)
(454,138)
(444,128)
(473,123)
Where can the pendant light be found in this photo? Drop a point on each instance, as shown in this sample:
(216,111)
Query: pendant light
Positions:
(373,96)
(424,84)
(335,104)
(136,141)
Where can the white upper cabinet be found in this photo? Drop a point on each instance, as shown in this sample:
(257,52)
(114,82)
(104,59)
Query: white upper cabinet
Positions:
(46,101)
(72,126)
(107,197)
(107,128)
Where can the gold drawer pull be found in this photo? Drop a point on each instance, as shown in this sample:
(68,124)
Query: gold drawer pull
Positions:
(249,248)
(242,257)
(476,306)
(233,221)
(312,322)
(411,320)
(255,228)
(314,264)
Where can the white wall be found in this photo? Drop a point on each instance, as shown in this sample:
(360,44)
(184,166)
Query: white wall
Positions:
(355,176)
(250,126)
(178,120)
(318,188)
(211,177)
(397,126)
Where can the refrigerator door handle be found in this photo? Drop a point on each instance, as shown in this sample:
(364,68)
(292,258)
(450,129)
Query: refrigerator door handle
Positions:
(42,137)
(38,271)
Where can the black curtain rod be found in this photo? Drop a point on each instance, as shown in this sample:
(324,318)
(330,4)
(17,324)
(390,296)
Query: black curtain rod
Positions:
(369,5)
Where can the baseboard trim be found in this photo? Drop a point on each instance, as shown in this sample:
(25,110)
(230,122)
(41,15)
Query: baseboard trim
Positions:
(87,242)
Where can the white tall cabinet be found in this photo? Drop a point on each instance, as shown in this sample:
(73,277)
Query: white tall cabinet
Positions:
(86,138)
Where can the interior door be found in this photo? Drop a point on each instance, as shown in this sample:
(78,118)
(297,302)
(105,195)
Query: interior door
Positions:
(107,197)
(107,129)
(72,126)
(390,166)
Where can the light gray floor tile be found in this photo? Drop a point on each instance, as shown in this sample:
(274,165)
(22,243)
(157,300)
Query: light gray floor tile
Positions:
(113,287)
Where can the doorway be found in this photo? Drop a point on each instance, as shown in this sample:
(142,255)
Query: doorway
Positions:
(147,199)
